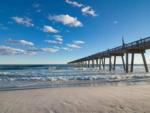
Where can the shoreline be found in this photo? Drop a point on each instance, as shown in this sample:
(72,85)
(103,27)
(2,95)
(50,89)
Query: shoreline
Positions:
(85,83)
(105,99)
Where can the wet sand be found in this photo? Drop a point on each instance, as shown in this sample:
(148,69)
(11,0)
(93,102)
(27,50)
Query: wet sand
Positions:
(100,99)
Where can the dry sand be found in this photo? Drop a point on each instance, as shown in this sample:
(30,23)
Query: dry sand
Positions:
(102,99)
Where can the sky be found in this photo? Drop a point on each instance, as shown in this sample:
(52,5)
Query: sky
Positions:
(59,31)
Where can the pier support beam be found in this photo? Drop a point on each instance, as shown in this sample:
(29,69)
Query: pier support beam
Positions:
(145,63)
(78,64)
(88,63)
(132,62)
(123,63)
(110,65)
(103,63)
(127,66)
(93,63)
(82,63)
(114,67)
(97,62)
(100,62)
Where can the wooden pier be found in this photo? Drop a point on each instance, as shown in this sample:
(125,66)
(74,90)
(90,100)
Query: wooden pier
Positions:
(123,51)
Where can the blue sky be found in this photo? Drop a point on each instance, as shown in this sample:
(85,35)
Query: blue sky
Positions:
(50,31)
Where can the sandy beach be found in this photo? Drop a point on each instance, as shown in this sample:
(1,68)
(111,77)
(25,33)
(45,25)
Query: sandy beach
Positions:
(101,99)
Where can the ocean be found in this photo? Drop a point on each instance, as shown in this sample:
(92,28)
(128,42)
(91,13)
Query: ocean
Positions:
(43,76)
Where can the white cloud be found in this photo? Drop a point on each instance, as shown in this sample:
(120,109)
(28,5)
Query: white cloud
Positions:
(53,42)
(58,38)
(66,20)
(50,50)
(49,29)
(56,47)
(74,3)
(20,42)
(87,10)
(66,48)
(24,42)
(34,50)
(5,50)
(78,42)
(74,46)
(24,21)
(30,52)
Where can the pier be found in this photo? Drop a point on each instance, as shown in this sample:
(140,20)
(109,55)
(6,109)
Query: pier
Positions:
(123,51)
